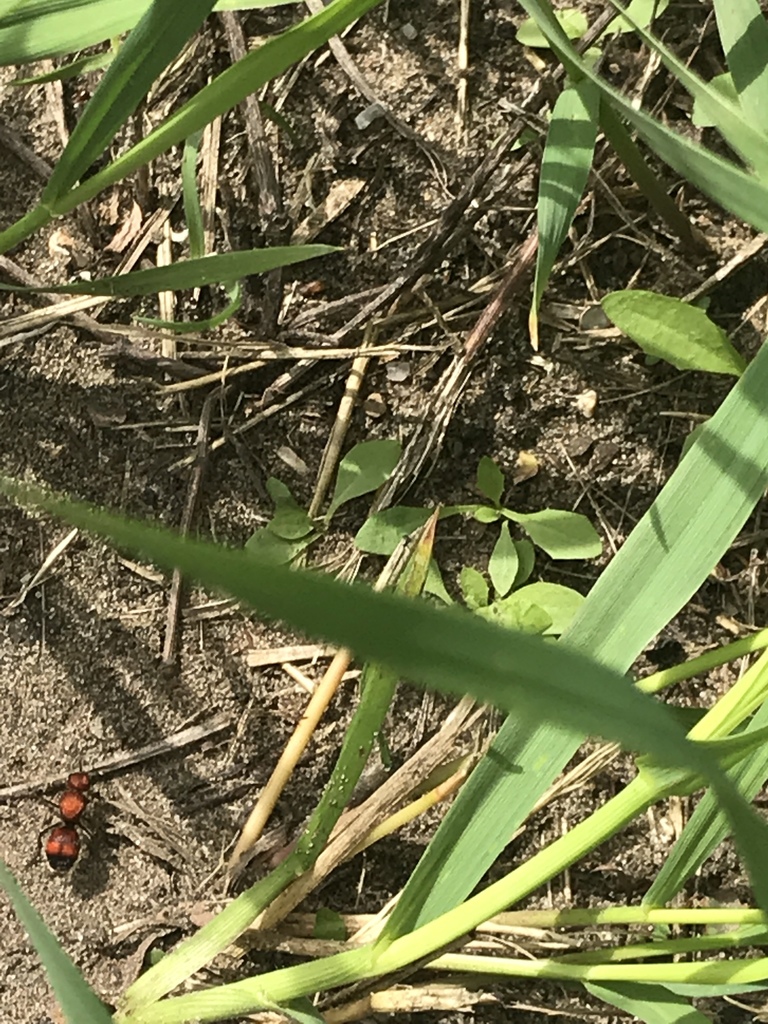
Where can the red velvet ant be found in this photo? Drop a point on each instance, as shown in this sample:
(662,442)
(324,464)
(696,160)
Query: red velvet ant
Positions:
(62,847)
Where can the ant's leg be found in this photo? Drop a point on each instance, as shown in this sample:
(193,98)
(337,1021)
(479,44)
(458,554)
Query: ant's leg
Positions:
(39,844)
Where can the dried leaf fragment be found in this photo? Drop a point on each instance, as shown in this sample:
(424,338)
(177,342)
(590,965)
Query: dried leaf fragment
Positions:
(526,466)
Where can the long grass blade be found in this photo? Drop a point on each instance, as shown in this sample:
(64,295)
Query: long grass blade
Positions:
(193,211)
(453,651)
(218,269)
(744,37)
(36,29)
(448,649)
(378,685)
(148,50)
(231,87)
(743,194)
(564,171)
(76,998)
(707,827)
(733,122)
(654,1004)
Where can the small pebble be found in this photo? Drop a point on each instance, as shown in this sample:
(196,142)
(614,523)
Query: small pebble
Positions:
(374,405)
(586,403)
(292,460)
(369,115)
(398,371)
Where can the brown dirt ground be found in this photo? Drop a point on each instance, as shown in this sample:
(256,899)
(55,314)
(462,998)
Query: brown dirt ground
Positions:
(79,657)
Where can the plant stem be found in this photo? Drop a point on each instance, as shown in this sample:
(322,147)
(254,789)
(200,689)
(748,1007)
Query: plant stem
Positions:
(703,663)
(32,221)
(718,972)
(371,961)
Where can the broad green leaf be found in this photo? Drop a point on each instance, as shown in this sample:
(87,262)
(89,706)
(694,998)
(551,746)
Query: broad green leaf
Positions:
(560,533)
(572,20)
(218,269)
(490,480)
(154,42)
(526,559)
(560,603)
(564,172)
(744,37)
(483,514)
(654,1004)
(544,608)
(269,547)
(77,1000)
(673,330)
(503,563)
(474,588)
(434,586)
(362,470)
(35,29)
(290,521)
(382,532)
(515,612)
(724,85)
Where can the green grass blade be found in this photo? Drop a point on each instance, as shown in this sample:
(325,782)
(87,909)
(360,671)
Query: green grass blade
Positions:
(218,269)
(148,50)
(448,649)
(744,37)
(209,941)
(707,827)
(377,688)
(744,195)
(646,179)
(231,87)
(733,122)
(653,1004)
(93,62)
(564,172)
(36,29)
(523,760)
(245,77)
(193,211)
(75,997)
(664,561)
(234,295)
